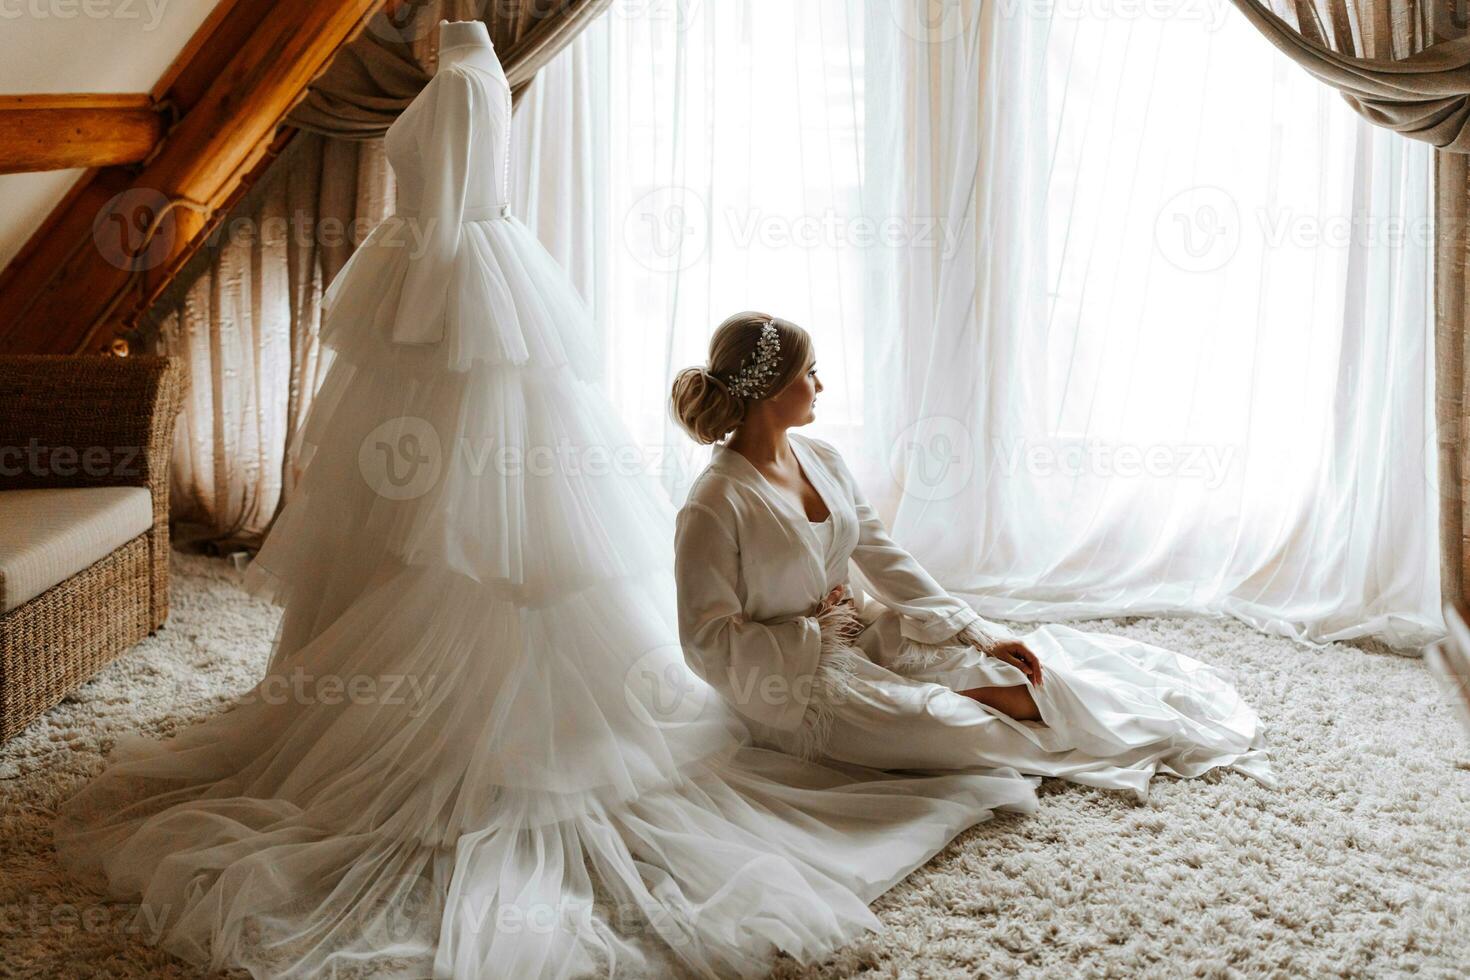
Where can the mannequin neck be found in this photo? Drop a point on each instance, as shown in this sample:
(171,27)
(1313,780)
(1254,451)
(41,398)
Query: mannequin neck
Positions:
(464,41)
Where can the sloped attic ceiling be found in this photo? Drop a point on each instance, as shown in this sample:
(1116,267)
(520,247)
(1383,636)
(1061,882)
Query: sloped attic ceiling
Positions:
(48,49)
(136,100)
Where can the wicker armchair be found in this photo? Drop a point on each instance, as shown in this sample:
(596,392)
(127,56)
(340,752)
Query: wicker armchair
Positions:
(75,434)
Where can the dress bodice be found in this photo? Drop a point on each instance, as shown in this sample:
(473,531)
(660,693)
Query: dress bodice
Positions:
(450,148)
(450,153)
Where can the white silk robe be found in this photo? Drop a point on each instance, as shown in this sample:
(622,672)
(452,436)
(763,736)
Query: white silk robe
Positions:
(750,575)
(751,571)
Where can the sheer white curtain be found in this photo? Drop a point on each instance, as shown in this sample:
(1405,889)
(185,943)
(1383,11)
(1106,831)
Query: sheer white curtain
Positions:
(559,141)
(1180,358)
(735,174)
(1118,311)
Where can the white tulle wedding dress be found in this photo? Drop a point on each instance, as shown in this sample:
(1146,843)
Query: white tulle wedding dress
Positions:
(478,751)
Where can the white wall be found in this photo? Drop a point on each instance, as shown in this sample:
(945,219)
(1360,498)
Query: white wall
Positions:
(63,46)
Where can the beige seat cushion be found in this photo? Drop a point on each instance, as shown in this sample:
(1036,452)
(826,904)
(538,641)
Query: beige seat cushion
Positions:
(47,536)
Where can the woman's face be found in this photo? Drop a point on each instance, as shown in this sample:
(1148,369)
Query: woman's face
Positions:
(797,402)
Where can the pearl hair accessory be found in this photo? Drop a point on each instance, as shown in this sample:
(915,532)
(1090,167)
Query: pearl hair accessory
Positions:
(753,378)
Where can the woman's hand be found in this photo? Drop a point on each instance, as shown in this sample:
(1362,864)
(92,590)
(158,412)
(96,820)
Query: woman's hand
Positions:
(832,598)
(1015,653)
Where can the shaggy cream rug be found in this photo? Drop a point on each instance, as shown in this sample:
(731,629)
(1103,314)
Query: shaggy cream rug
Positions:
(1358,865)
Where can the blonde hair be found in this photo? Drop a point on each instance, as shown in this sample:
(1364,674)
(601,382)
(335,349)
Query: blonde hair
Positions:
(702,402)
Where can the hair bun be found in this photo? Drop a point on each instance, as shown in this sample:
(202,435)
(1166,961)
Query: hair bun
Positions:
(703,405)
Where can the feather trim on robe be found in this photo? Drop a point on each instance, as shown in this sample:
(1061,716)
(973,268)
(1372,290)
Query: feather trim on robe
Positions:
(832,681)
(919,658)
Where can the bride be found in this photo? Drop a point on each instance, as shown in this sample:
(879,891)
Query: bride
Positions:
(916,679)
(477,750)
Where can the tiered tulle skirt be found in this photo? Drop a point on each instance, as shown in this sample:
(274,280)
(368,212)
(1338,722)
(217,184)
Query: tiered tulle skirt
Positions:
(477,752)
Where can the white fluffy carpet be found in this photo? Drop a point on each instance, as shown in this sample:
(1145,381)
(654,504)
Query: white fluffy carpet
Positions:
(1358,865)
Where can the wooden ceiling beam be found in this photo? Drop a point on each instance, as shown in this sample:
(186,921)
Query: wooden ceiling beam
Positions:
(60,132)
(87,271)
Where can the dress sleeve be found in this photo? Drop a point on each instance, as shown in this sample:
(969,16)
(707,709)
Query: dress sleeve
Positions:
(433,237)
(929,614)
(763,669)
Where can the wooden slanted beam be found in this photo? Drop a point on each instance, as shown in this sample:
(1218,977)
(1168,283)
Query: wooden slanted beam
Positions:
(123,232)
(59,132)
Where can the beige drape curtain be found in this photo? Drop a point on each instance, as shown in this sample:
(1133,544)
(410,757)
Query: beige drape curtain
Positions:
(245,312)
(376,76)
(1385,56)
(1451,257)
(243,315)
(1405,65)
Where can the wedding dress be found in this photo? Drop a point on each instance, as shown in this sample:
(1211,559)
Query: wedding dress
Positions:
(478,751)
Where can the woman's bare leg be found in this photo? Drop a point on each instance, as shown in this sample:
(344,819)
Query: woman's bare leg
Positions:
(1015,701)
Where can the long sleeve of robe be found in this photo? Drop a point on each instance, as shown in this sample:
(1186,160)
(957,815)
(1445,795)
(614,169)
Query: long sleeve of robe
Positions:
(756,658)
